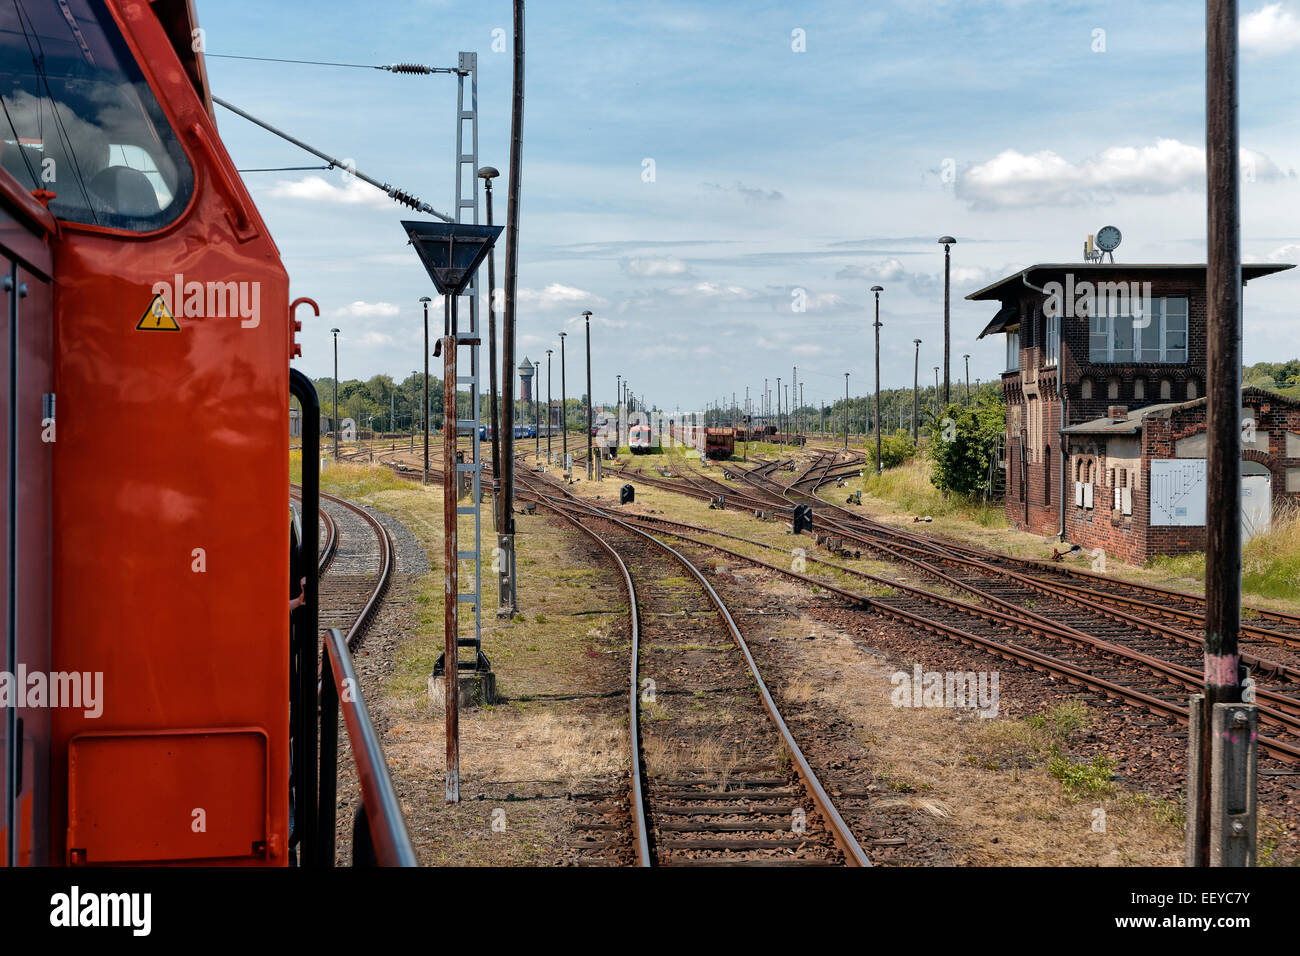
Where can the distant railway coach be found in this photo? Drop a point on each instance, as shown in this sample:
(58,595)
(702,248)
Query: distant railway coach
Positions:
(719,442)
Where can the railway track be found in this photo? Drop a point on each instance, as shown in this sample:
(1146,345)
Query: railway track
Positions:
(731,802)
(1137,659)
(355,567)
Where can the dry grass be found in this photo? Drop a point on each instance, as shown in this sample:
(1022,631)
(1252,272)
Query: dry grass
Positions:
(984,783)
(665,756)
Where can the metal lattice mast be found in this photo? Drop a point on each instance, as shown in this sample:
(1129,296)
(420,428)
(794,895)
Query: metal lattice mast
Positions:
(466,210)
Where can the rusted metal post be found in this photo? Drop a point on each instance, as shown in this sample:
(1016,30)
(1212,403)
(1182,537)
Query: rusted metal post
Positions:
(451,577)
(1222,428)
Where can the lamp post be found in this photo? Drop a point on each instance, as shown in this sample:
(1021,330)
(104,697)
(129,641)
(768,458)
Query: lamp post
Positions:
(550,407)
(487,174)
(336,393)
(424,478)
(967,358)
(877,290)
(846,411)
(916,388)
(590,464)
(618,413)
(947,242)
(564,404)
(937,406)
(415,397)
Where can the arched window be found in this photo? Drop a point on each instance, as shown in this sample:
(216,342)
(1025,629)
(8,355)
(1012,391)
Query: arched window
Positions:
(1166,389)
(1139,388)
(1085,387)
(1112,387)
(1192,388)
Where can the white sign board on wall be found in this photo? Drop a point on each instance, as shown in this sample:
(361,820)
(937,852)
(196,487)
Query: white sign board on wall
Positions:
(1178,491)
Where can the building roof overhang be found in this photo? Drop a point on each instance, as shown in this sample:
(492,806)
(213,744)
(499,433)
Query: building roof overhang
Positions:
(1044,272)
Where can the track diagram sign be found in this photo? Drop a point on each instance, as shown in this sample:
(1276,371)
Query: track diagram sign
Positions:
(1178,492)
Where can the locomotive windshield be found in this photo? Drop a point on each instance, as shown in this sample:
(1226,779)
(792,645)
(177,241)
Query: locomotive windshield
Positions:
(79,120)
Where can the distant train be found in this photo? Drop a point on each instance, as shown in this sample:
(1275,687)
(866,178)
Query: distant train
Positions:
(521,431)
(640,439)
(715,443)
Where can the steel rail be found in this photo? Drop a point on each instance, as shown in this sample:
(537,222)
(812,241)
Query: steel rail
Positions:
(840,830)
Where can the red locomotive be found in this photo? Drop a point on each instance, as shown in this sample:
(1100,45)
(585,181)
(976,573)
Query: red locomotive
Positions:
(147,310)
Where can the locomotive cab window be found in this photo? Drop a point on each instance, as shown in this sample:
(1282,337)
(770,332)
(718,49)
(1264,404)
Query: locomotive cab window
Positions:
(80,121)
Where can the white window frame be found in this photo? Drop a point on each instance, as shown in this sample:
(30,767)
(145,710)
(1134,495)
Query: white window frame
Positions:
(1013,349)
(1052,347)
(1140,357)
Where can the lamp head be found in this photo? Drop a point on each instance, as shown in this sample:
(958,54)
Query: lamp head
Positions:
(877,289)
(947,241)
(335,331)
(488,173)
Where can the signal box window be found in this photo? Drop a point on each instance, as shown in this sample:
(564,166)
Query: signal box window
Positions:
(79,119)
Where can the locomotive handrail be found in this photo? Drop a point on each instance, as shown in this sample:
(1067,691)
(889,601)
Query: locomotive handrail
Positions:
(379,830)
(305,627)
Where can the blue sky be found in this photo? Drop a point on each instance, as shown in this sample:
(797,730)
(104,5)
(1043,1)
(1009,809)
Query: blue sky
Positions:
(1017,126)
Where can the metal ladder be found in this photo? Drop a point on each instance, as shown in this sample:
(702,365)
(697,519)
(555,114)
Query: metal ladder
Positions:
(467,66)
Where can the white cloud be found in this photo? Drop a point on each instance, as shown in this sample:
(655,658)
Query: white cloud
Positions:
(352,192)
(1269,30)
(1288,253)
(712,290)
(654,266)
(368,310)
(1046,179)
(556,295)
(888,270)
(374,339)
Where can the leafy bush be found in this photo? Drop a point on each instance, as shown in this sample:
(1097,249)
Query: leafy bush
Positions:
(963,440)
(894,450)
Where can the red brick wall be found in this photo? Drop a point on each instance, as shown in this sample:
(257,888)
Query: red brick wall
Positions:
(1131,539)
(1044,477)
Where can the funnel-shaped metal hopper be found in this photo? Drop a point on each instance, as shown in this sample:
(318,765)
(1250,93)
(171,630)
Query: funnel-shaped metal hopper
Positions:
(451,251)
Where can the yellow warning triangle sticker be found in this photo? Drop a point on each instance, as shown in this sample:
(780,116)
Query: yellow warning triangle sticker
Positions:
(158,318)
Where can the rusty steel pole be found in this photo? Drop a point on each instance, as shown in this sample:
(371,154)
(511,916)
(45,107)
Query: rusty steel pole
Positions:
(1223,449)
(451,584)
(590,464)
(487,174)
(550,404)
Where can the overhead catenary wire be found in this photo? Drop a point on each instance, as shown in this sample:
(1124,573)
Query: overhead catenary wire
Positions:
(405,68)
(393,192)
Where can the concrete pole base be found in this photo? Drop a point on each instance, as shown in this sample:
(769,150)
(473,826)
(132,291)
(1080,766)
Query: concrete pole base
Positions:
(473,687)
